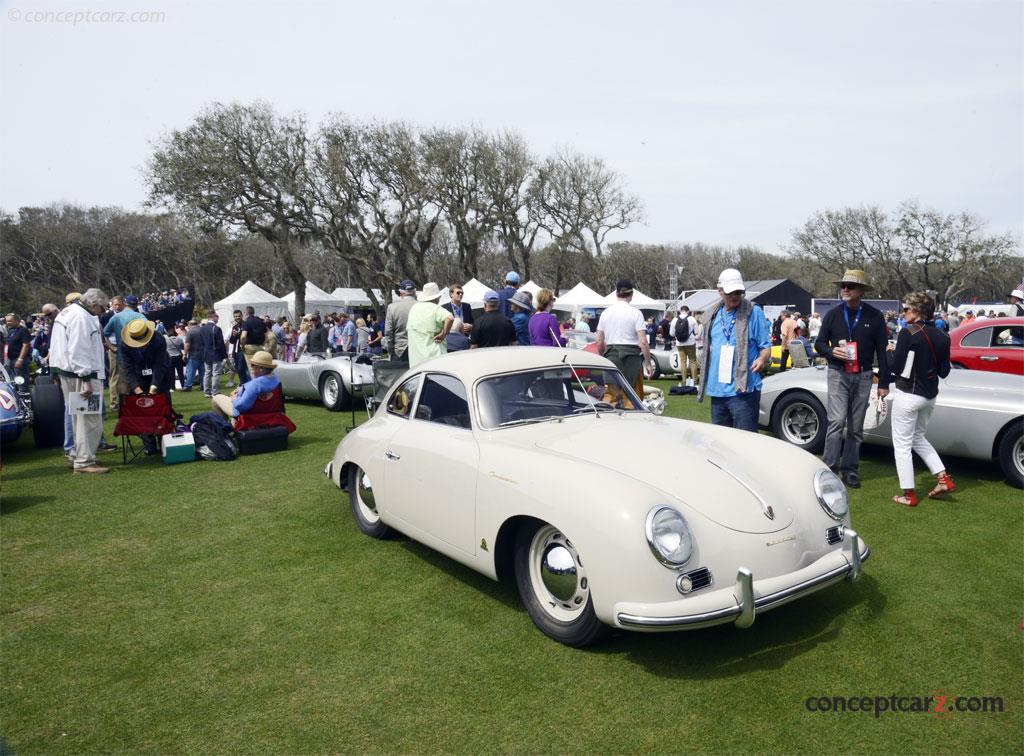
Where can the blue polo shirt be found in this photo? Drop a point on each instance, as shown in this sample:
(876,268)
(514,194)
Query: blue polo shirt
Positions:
(251,391)
(758,338)
(119,321)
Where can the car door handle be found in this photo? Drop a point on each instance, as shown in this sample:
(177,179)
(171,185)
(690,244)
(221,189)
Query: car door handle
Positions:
(391,455)
(989,358)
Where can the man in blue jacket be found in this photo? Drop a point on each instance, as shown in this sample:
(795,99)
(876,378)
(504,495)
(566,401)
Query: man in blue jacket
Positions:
(244,397)
(214,354)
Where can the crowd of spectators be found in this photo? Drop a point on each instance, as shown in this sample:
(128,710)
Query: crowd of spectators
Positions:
(152,301)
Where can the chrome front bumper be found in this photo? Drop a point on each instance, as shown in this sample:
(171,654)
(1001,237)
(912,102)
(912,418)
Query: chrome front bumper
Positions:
(745,601)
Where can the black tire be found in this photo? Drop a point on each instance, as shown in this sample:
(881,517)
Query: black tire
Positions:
(800,419)
(332,392)
(47,416)
(546,562)
(363,506)
(44,380)
(655,373)
(1011,454)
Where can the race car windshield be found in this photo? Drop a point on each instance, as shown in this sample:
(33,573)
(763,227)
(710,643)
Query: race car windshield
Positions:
(539,395)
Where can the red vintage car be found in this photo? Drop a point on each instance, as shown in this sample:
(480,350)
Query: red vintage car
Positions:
(994,344)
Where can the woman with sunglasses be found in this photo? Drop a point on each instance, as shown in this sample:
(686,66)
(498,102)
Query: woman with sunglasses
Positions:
(921,357)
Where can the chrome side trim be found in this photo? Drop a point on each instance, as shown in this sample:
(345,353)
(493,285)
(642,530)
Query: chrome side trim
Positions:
(745,591)
(766,508)
(764,602)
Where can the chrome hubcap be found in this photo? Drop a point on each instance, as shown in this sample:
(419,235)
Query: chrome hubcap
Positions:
(1018,455)
(800,423)
(557,575)
(364,496)
(331,390)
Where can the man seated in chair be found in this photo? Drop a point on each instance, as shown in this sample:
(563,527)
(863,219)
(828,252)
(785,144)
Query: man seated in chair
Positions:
(244,397)
(145,367)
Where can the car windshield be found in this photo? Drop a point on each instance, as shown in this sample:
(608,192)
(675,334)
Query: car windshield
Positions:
(537,395)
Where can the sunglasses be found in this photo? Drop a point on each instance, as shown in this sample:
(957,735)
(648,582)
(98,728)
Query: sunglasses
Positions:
(849,286)
(907,308)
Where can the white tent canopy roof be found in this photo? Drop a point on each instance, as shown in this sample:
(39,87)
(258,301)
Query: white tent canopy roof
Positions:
(316,299)
(472,294)
(249,295)
(352,297)
(640,300)
(532,287)
(579,296)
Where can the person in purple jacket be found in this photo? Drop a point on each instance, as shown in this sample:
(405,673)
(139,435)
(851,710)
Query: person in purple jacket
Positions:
(544,330)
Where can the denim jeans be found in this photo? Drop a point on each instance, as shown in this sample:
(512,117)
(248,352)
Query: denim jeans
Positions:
(192,369)
(211,377)
(241,367)
(738,411)
(848,395)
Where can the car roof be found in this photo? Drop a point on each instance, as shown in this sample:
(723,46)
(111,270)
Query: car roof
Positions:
(473,364)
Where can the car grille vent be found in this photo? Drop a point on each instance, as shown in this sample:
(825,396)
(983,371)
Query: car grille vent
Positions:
(694,580)
(834,534)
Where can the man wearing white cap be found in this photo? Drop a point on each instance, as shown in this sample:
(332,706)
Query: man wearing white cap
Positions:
(428,326)
(1016,298)
(737,348)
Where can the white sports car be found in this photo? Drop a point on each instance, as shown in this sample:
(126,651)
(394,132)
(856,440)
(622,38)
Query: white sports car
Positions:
(542,466)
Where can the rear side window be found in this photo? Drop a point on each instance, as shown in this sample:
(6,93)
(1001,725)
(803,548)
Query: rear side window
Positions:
(401,401)
(979,338)
(1009,337)
(443,400)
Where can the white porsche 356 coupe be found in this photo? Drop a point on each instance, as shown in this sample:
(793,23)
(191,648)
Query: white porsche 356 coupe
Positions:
(542,466)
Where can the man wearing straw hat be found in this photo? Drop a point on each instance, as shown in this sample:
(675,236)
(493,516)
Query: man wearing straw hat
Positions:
(145,367)
(851,336)
(244,397)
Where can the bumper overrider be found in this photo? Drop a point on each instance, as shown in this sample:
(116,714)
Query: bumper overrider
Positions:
(741,602)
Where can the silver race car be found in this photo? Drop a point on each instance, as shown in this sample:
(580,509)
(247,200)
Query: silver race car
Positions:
(335,381)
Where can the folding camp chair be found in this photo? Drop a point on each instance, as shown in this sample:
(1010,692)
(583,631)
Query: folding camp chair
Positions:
(142,415)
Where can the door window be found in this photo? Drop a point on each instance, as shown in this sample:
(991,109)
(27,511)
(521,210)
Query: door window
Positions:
(443,400)
(982,337)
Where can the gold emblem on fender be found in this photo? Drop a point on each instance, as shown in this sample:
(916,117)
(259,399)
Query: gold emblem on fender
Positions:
(777,541)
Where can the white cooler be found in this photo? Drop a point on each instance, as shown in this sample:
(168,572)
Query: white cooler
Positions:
(178,447)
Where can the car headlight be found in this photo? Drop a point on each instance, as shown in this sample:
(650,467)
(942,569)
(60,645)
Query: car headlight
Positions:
(831,494)
(669,537)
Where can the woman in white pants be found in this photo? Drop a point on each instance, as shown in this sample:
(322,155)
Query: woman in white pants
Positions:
(921,358)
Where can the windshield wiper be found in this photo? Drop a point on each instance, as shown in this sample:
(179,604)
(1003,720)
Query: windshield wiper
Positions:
(525,420)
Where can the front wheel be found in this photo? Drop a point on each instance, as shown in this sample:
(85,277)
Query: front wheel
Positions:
(554,587)
(654,373)
(1011,454)
(800,419)
(332,391)
(363,504)
(47,416)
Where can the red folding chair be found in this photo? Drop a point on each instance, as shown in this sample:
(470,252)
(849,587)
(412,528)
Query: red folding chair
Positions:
(266,411)
(141,415)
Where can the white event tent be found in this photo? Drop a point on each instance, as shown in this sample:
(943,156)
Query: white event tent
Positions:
(352,297)
(472,294)
(249,295)
(532,287)
(579,297)
(640,300)
(316,299)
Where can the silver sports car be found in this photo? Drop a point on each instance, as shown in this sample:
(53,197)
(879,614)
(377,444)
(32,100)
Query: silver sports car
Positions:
(335,381)
(978,414)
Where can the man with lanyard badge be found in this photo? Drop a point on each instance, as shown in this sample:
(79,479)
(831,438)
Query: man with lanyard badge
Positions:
(738,346)
(852,335)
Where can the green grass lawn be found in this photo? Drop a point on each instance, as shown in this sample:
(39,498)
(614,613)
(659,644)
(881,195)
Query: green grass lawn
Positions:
(234,607)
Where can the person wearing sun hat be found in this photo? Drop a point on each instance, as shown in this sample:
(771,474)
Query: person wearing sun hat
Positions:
(145,366)
(428,326)
(242,399)
(1016,298)
(852,336)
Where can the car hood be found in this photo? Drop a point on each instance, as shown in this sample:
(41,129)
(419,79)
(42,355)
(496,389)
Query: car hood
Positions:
(731,477)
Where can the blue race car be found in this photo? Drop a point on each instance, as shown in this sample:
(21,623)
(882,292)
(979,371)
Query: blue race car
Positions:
(42,408)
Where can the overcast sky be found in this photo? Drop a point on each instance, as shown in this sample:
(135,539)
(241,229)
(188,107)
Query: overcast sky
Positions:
(733,121)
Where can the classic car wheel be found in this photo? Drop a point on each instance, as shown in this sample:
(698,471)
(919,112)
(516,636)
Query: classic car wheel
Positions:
(332,391)
(801,420)
(47,416)
(1011,455)
(363,504)
(654,373)
(554,587)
